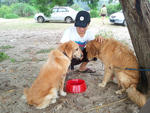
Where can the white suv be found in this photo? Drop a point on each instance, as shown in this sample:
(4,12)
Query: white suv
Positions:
(59,14)
(118,18)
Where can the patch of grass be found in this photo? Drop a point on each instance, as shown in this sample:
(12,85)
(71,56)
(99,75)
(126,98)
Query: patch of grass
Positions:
(105,34)
(3,56)
(6,47)
(44,51)
(11,16)
(12,60)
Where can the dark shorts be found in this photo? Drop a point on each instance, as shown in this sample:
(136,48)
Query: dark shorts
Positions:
(78,61)
(103,15)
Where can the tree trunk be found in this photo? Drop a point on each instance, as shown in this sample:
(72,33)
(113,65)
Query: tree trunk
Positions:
(137,15)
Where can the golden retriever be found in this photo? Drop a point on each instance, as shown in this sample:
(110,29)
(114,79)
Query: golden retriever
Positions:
(50,80)
(116,57)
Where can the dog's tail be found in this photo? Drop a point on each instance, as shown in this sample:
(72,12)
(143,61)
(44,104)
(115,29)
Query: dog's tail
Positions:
(136,96)
(137,93)
(142,86)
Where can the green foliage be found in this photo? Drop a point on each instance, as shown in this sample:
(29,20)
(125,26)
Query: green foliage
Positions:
(12,60)
(94,13)
(110,1)
(44,6)
(76,7)
(112,8)
(29,10)
(60,2)
(93,4)
(11,16)
(5,10)
(16,10)
(3,56)
(23,9)
(69,2)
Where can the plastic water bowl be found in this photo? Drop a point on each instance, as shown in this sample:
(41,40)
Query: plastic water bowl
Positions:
(75,86)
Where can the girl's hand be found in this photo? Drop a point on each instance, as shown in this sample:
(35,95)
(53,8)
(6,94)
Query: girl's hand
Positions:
(99,39)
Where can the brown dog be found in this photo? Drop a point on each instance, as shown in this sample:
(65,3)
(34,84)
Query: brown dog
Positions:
(52,75)
(116,57)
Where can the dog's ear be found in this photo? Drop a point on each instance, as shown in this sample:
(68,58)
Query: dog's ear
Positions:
(62,47)
(67,48)
(91,49)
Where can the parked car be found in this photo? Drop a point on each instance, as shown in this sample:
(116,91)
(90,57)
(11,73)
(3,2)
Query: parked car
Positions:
(59,14)
(118,18)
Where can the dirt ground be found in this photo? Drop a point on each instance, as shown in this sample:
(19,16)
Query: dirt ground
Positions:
(29,42)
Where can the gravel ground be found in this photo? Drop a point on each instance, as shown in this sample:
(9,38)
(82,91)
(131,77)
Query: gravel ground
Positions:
(28,43)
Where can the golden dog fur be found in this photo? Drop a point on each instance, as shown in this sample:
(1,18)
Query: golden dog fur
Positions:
(116,57)
(52,75)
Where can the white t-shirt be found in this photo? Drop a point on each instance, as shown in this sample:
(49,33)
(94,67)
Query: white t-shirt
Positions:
(72,34)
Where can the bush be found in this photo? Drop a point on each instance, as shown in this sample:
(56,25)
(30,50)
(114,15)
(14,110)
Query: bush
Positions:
(23,10)
(29,10)
(94,13)
(112,8)
(11,16)
(3,56)
(76,7)
(5,10)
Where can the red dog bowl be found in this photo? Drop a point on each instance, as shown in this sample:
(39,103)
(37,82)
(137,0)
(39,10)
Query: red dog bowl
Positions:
(75,86)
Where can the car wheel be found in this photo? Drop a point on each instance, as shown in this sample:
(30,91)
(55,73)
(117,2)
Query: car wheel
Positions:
(68,20)
(40,19)
(124,23)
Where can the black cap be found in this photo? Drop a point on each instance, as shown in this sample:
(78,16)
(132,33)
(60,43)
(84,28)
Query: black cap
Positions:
(82,19)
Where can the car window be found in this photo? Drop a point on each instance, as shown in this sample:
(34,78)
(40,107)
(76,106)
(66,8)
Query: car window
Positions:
(54,10)
(62,10)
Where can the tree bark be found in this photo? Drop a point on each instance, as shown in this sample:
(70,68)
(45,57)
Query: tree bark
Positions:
(137,15)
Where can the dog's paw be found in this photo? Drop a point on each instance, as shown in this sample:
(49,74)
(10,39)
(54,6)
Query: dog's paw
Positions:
(23,97)
(62,93)
(53,100)
(101,85)
(57,96)
(118,92)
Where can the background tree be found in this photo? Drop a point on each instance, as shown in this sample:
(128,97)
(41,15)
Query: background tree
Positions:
(137,14)
(9,2)
(45,5)
(70,2)
(93,4)
(110,1)
(112,8)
